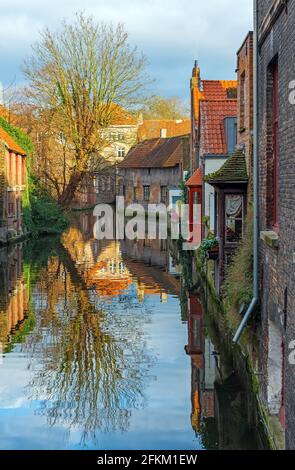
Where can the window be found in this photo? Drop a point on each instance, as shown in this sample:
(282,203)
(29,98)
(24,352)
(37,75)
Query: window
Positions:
(135,194)
(231,93)
(233,218)
(11,161)
(231,133)
(121,152)
(271,163)
(242,101)
(62,138)
(164,194)
(197,198)
(23,164)
(146,193)
(164,245)
(10,209)
(275,141)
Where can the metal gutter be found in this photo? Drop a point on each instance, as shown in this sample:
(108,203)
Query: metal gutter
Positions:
(255,298)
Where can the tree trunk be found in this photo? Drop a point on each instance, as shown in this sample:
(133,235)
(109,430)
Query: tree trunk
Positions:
(68,194)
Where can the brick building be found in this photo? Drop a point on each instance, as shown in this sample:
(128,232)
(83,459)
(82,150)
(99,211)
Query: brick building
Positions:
(14,295)
(213,138)
(276,72)
(153,168)
(12,187)
(232,182)
(209,90)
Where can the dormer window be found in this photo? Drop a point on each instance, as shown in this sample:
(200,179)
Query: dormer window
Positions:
(230,124)
(232,93)
(121,152)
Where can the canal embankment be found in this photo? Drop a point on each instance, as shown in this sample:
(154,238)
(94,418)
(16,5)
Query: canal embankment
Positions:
(244,354)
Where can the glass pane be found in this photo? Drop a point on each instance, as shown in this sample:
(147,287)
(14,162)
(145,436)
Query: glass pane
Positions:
(233,218)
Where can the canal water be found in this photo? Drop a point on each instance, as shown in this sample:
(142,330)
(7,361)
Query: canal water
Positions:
(101,348)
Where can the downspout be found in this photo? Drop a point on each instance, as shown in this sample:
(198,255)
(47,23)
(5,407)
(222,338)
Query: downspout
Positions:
(255,298)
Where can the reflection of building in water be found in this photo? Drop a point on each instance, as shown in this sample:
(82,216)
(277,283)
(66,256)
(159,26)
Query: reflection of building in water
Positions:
(148,261)
(200,350)
(105,267)
(220,403)
(109,275)
(13,295)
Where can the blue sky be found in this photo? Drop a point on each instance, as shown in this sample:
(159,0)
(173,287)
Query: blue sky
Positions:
(171,33)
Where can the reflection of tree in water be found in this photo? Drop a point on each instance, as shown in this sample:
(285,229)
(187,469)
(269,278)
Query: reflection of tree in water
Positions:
(94,364)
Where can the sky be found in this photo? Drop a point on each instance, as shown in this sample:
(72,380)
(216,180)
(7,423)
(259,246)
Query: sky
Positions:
(171,33)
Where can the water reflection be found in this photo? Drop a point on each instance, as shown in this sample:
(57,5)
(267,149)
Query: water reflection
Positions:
(220,404)
(93,343)
(13,297)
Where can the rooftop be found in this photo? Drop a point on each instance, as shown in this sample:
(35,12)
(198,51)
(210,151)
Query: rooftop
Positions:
(211,90)
(155,153)
(234,170)
(196,179)
(213,137)
(10,143)
(151,129)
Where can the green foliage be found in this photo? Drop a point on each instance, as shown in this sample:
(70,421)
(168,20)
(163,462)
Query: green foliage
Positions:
(208,243)
(46,216)
(184,189)
(41,213)
(238,286)
(22,139)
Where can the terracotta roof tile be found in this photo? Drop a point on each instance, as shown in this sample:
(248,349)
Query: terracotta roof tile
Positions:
(212,90)
(11,144)
(151,129)
(155,153)
(196,179)
(217,89)
(212,115)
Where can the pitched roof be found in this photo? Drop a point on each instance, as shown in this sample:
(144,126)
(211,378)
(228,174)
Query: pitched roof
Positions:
(234,170)
(196,179)
(10,143)
(151,128)
(213,113)
(155,153)
(217,89)
(211,90)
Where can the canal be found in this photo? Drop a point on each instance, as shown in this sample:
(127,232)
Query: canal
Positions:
(101,348)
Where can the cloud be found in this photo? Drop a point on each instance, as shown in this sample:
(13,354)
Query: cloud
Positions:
(171,33)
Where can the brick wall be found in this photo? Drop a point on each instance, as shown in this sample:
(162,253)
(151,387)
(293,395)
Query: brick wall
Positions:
(3,187)
(245,99)
(277,265)
(154,177)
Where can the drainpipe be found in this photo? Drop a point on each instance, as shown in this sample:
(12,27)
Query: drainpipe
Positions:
(255,298)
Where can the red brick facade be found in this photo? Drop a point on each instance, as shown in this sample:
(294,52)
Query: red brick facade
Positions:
(277,176)
(12,186)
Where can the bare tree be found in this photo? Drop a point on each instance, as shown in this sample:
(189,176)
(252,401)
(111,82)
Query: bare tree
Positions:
(84,76)
(158,107)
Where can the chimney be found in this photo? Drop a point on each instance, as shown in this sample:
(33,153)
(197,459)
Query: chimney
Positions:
(163,133)
(196,76)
